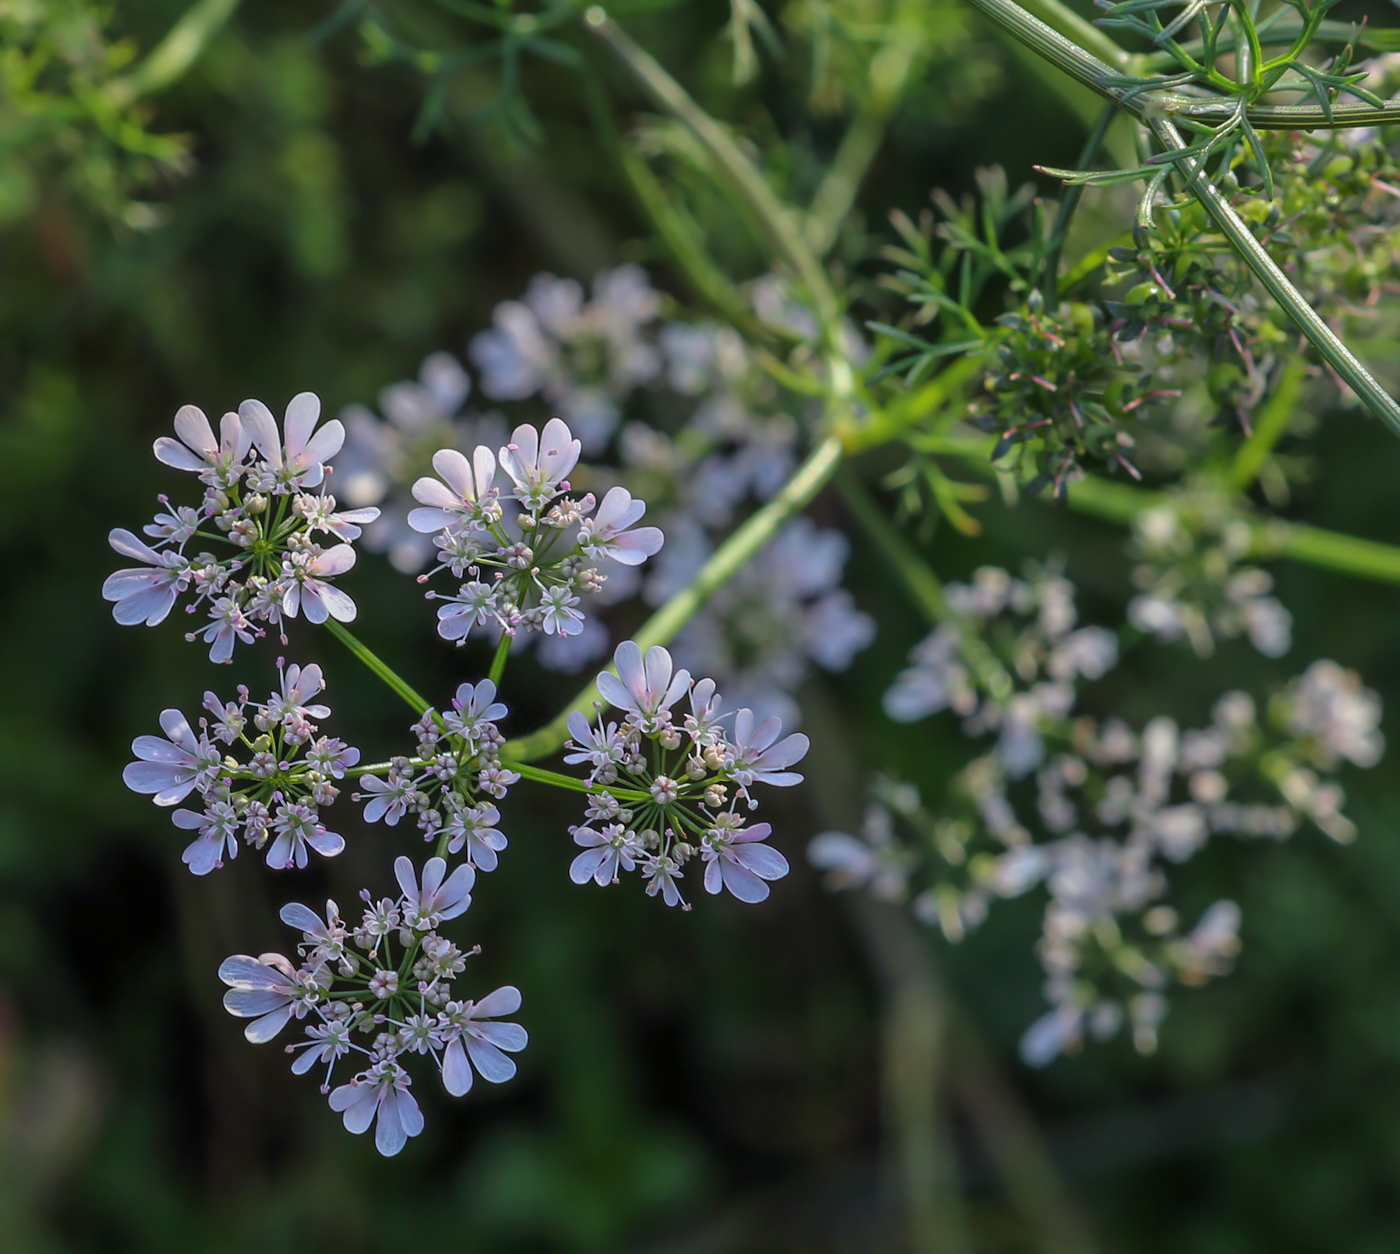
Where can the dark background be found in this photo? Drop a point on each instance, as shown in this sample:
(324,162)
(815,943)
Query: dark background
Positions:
(703,1082)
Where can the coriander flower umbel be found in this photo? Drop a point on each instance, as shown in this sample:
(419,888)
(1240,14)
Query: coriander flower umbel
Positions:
(384,990)
(273,792)
(274,567)
(458,765)
(654,806)
(525,564)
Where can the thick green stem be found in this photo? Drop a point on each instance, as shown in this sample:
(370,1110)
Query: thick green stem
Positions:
(379,667)
(731,556)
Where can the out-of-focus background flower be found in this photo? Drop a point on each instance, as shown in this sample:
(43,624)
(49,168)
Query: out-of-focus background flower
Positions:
(733,1079)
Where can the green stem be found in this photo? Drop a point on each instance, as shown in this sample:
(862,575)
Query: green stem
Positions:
(1276,283)
(731,556)
(556,780)
(782,225)
(1094,73)
(1272,537)
(498,663)
(1270,424)
(170,59)
(898,59)
(380,668)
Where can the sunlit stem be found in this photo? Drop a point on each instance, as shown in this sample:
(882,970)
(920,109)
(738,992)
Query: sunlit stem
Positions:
(779,221)
(379,667)
(1272,538)
(731,557)
(892,67)
(170,59)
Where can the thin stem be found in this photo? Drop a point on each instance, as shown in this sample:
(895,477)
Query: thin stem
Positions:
(1055,48)
(379,667)
(780,222)
(731,556)
(170,59)
(891,68)
(498,663)
(556,780)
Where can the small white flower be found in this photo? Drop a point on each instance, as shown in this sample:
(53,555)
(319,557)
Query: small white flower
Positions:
(434,901)
(218,835)
(539,462)
(479,1042)
(604,853)
(217,462)
(381,1091)
(757,756)
(736,861)
(171,768)
(459,499)
(644,687)
(144,595)
(299,462)
(609,532)
(268,990)
(308,593)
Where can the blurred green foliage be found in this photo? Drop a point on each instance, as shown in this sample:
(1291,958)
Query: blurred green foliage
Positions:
(699,1082)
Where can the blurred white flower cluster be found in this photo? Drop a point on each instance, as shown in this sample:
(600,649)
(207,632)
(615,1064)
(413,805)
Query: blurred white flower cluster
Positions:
(697,429)
(1008,659)
(1195,581)
(1093,811)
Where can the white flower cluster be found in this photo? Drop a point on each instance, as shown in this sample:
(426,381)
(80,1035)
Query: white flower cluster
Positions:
(275,795)
(665,789)
(1194,582)
(446,786)
(384,457)
(258,501)
(582,358)
(1008,660)
(716,441)
(1106,814)
(526,571)
(380,991)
